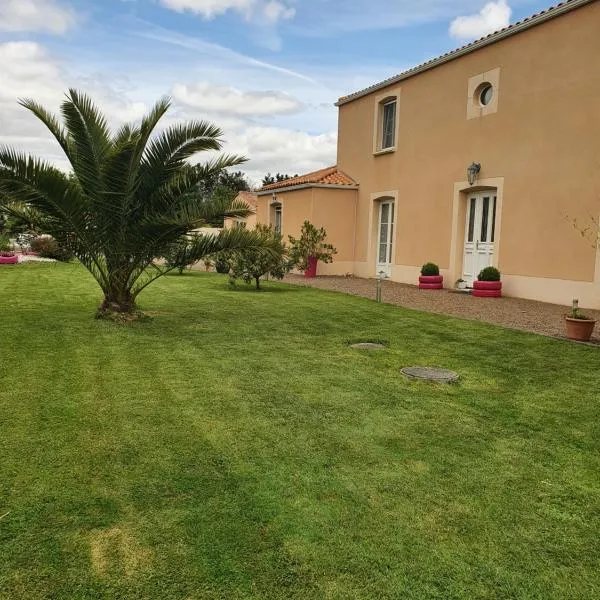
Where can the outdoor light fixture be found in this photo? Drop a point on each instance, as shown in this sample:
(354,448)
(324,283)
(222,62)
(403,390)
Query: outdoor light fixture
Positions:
(473,172)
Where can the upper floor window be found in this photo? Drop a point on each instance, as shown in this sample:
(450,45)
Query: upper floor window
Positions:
(388,124)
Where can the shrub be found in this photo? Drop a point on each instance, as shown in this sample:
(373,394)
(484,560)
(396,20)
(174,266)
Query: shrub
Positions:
(251,265)
(222,264)
(48,247)
(5,245)
(489,274)
(429,269)
(310,244)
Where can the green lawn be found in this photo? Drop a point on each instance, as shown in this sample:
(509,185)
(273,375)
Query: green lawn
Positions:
(235,447)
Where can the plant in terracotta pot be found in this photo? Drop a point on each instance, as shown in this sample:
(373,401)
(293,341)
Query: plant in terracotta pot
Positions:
(430,278)
(310,248)
(579,326)
(488,284)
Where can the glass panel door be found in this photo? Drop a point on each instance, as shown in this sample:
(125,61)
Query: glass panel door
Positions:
(386,237)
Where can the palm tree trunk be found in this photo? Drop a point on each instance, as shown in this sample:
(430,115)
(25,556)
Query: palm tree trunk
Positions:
(118,299)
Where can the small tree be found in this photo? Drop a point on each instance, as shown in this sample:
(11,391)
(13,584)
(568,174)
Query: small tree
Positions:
(251,266)
(311,244)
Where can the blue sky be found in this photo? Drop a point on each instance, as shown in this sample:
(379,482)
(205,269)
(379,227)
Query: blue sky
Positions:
(267,71)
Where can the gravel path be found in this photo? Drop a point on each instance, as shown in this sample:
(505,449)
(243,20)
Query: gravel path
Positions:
(515,313)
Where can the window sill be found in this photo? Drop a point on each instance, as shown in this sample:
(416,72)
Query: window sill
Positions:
(385,151)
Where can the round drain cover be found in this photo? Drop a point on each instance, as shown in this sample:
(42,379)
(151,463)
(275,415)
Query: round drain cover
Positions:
(368,346)
(430,374)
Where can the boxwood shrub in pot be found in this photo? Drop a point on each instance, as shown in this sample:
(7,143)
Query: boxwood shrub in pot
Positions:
(488,284)
(430,278)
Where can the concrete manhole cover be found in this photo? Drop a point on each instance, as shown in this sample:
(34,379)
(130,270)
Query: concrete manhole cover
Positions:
(430,374)
(368,346)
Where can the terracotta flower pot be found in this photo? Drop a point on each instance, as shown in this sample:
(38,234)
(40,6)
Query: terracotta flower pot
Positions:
(579,329)
(487,289)
(311,270)
(431,282)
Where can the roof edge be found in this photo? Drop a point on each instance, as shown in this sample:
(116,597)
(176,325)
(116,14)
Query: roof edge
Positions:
(300,186)
(492,38)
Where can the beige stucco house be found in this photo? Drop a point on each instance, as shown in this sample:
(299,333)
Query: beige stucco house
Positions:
(521,109)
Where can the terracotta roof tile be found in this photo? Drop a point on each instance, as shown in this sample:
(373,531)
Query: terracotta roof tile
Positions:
(328,176)
(534,19)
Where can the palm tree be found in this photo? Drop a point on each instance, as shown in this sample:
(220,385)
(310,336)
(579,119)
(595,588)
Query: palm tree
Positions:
(128,200)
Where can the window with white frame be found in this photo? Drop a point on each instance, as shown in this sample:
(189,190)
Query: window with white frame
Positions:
(388,124)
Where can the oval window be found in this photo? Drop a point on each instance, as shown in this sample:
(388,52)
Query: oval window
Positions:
(486,94)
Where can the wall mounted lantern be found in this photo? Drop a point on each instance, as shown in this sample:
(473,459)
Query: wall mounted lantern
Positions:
(473,172)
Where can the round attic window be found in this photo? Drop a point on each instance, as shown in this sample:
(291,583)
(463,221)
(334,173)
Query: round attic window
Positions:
(486,93)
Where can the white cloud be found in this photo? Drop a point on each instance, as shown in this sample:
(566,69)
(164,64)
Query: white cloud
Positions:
(29,71)
(493,16)
(35,15)
(271,10)
(270,127)
(228,100)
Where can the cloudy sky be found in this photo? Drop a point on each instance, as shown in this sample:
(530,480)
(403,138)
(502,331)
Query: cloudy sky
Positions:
(267,71)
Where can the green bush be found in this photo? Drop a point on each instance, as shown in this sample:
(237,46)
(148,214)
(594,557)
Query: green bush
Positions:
(5,245)
(311,243)
(489,274)
(251,265)
(48,247)
(429,269)
(222,265)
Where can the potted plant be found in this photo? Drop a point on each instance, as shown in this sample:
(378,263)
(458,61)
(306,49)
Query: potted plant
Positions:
(430,278)
(7,256)
(488,284)
(461,284)
(579,326)
(310,248)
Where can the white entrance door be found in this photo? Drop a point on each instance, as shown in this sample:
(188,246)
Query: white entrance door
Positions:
(386,237)
(480,232)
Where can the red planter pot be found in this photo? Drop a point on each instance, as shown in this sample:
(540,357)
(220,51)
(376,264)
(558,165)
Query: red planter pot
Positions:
(431,282)
(487,289)
(311,270)
(9,260)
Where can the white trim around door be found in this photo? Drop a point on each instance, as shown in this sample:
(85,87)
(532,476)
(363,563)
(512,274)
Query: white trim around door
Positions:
(480,233)
(385,237)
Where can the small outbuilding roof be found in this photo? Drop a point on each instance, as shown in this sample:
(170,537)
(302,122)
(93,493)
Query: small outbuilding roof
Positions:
(329,177)
(249,198)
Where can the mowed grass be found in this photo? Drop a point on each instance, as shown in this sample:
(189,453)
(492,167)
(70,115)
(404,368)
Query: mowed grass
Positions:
(235,447)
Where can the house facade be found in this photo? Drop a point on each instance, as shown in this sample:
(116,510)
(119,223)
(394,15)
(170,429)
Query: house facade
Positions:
(484,156)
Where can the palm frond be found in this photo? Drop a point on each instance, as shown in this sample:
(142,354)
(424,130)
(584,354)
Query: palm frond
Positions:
(90,140)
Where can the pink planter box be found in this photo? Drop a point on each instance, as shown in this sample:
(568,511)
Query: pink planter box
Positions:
(487,289)
(9,260)
(431,282)
(311,270)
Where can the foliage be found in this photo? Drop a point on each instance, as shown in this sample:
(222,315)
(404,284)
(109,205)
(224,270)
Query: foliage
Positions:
(311,243)
(237,449)
(430,269)
(5,243)
(575,313)
(489,274)
(220,188)
(269,179)
(251,266)
(222,263)
(128,199)
(48,247)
